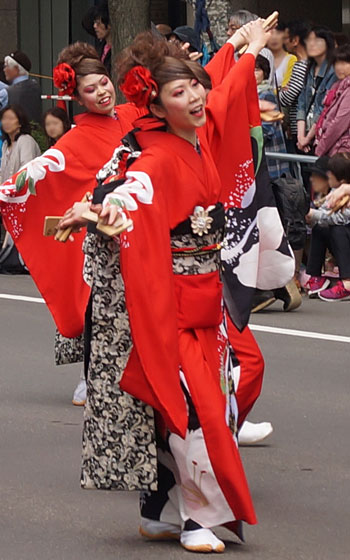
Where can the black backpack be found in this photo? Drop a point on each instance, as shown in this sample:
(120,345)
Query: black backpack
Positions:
(293,204)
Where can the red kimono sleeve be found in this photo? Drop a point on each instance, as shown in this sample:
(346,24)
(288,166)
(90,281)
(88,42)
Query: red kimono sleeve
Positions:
(49,185)
(226,101)
(231,108)
(152,373)
(220,65)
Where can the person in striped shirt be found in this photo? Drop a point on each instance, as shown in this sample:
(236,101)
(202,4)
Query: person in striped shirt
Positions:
(294,42)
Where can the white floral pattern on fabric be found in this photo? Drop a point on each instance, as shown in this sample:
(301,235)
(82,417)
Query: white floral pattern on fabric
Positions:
(139,184)
(244,183)
(263,265)
(52,160)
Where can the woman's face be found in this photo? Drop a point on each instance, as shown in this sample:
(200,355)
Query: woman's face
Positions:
(10,123)
(315,46)
(101,30)
(54,127)
(342,69)
(96,92)
(182,105)
(276,41)
(259,75)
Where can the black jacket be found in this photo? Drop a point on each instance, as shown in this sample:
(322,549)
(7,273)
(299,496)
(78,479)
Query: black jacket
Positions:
(27,95)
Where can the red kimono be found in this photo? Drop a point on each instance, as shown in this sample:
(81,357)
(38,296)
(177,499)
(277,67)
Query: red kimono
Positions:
(175,318)
(57,179)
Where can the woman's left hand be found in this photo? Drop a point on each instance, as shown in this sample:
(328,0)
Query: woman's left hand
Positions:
(255,36)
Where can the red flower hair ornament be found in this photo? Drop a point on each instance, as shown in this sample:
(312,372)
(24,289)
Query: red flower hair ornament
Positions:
(139,87)
(64,78)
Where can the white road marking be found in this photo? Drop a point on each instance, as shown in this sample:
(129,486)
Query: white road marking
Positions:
(261,328)
(303,334)
(23,298)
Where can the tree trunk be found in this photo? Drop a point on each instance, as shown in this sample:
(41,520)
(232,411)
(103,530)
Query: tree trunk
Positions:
(218,14)
(128,18)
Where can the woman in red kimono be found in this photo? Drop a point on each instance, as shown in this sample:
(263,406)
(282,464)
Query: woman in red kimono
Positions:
(56,179)
(178,361)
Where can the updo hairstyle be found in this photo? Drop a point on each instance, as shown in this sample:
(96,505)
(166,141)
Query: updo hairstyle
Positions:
(165,60)
(84,60)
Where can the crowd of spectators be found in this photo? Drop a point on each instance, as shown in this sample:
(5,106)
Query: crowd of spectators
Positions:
(304,72)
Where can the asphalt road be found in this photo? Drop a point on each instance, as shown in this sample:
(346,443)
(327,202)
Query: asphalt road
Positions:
(300,479)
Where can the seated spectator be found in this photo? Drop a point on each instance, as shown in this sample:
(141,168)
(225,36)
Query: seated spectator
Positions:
(319,79)
(294,42)
(97,23)
(283,61)
(331,230)
(23,90)
(236,21)
(333,126)
(18,145)
(273,133)
(55,123)
(319,192)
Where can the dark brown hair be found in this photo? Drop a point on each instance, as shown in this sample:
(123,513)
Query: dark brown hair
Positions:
(339,165)
(165,60)
(25,127)
(84,60)
(59,114)
(342,54)
(264,65)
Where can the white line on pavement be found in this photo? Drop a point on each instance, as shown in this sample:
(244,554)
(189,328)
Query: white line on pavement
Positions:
(303,334)
(262,328)
(23,298)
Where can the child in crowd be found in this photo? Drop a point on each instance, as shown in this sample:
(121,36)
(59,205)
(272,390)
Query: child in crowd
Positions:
(331,230)
(320,189)
(319,182)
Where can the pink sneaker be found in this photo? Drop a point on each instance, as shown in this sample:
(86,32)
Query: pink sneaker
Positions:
(337,293)
(316,284)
